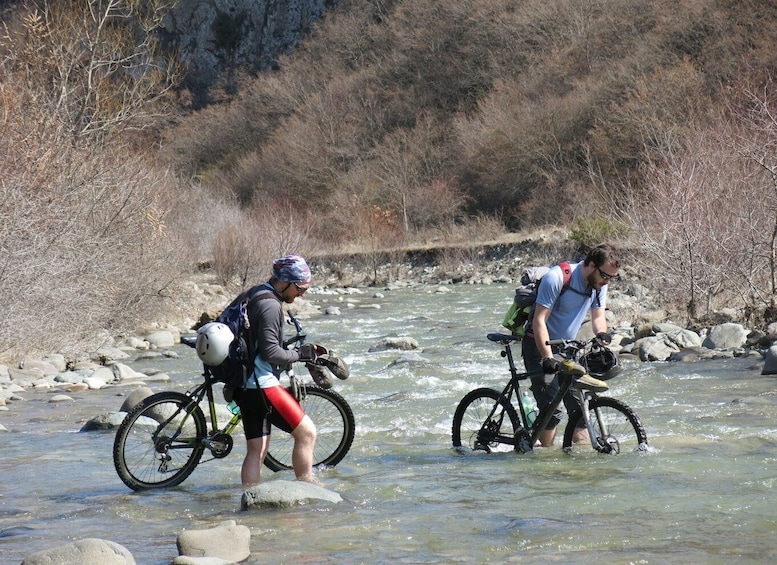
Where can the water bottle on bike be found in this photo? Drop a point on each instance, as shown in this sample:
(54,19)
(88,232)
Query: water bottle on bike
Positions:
(529,407)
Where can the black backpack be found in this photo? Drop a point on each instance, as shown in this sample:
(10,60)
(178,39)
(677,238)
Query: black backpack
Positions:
(239,364)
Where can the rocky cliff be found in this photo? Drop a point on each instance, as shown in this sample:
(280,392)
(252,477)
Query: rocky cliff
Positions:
(213,37)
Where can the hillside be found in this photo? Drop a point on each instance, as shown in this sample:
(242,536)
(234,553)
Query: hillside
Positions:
(437,111)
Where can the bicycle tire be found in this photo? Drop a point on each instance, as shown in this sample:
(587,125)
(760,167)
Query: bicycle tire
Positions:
(154,446)
(334,423)
(471,417)
(625,432)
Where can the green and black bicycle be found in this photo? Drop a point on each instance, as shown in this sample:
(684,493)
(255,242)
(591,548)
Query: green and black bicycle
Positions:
(164,437)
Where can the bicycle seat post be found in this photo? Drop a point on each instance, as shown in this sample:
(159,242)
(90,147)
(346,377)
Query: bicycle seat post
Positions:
(508,352)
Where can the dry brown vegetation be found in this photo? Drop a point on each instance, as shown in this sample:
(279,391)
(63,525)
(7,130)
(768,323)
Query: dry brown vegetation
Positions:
(396,122)
(532,112)
(89,226)
(708,224)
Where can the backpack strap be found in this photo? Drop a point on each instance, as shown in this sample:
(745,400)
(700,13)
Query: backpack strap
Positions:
(566,271)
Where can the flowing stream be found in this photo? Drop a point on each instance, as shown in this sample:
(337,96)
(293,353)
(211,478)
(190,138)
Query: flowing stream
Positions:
(703,494)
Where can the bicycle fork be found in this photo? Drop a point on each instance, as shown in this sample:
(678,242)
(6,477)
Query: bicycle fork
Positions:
(598,433)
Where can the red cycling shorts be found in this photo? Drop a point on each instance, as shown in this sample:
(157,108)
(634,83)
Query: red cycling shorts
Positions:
(273,405)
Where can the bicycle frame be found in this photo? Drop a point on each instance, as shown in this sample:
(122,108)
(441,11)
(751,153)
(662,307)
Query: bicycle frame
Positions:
(205,390)
(215,445)
(525,442)
(218,440)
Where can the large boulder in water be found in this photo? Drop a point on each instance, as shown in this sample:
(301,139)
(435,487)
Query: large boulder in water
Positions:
(88,551)
(282,494)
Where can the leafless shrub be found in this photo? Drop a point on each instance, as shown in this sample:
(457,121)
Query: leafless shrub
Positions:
(753,134)
(246,241)
(408,168)
(374,236)
(480,228)
(85,243)
(706,223)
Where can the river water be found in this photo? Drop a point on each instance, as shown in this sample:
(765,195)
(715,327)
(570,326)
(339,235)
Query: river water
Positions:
(703,494)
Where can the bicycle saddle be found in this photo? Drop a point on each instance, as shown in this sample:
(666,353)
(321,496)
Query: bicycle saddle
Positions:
(503,338)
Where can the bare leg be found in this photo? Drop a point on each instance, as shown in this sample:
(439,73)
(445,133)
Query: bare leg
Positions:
(581,435)
(252,464)
(302,455)
(547,437)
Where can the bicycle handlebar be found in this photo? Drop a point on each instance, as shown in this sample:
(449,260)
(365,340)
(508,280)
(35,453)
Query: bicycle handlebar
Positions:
(576,343)
(190,340)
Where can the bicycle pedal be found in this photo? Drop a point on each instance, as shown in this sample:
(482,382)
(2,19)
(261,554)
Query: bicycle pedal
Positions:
(590,383)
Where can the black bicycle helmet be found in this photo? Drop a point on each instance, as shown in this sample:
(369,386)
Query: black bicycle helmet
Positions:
(602,364)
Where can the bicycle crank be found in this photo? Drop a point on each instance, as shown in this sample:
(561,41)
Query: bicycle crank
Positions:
(220,445)
(522,441)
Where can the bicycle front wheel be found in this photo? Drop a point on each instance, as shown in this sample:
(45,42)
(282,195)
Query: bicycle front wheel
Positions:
(618,429)
(160,441)
(334,423)
(484,421)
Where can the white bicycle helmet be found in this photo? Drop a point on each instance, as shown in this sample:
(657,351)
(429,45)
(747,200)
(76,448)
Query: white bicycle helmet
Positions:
(213,341)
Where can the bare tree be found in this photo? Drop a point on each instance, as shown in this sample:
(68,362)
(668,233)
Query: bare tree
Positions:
(95,65)
(246,241)
(755,139)
(706,223)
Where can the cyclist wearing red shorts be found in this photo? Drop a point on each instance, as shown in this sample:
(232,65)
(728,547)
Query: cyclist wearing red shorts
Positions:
(264,400)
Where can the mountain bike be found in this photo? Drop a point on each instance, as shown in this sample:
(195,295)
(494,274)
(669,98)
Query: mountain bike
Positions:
(164,437)
(487,419)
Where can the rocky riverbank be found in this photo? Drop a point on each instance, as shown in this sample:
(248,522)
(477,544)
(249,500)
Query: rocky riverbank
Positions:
(642,328)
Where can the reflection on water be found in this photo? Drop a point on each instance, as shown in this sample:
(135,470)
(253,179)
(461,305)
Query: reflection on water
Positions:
(704,494)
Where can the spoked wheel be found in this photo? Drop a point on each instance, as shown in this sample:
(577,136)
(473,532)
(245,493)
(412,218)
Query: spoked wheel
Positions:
(334,423)
(475,428)
(160,441)
(618,428)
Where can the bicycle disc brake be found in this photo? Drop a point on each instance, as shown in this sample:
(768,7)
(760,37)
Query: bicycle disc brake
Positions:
(220,445)
(608,444)
(485,437)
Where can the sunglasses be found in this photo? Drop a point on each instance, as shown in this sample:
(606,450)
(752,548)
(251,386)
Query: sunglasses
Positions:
(608,277)
(300,289)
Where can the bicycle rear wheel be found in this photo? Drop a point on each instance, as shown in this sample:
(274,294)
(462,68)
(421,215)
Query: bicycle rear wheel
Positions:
(334,423)
(160,441)
(618,429)
(475,428)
